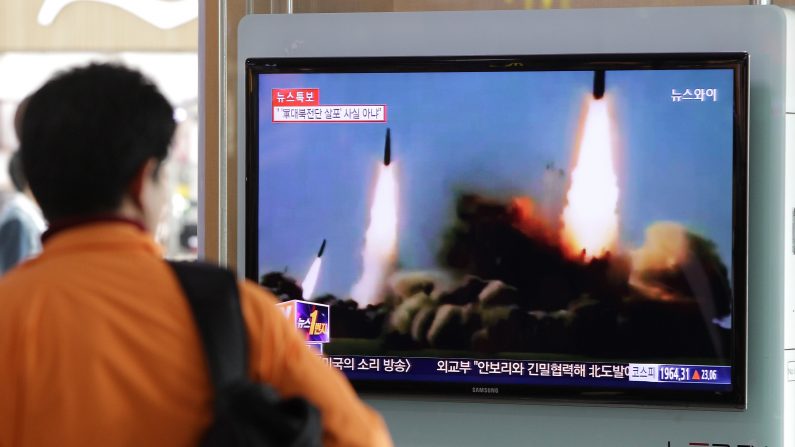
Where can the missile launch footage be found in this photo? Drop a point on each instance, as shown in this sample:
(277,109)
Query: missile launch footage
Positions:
(570,214)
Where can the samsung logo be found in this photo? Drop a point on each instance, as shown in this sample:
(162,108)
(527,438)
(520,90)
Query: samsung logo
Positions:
(485,390)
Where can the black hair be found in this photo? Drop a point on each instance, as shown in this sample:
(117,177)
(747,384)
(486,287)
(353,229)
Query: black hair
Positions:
(16,173)
(85,135)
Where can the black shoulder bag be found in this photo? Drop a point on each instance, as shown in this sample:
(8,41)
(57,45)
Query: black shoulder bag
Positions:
(247,413)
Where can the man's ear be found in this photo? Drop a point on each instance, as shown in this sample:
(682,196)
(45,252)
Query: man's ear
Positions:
(137,184)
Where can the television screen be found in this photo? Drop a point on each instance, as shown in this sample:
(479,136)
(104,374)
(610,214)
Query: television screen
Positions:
(565,227)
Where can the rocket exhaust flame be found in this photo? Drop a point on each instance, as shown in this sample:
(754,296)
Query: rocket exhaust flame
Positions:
(590,218)
(310,281)
(380,240)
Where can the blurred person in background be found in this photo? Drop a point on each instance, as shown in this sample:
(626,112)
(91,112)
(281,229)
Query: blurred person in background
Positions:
(7,190)
(21,221)
(98,344)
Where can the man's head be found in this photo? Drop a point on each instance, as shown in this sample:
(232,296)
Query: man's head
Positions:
(16,173)
(93,141)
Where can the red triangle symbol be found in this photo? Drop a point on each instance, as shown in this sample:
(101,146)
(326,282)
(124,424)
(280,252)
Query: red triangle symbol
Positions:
(696,376)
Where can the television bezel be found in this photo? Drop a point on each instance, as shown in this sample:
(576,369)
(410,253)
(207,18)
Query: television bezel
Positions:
(736,61)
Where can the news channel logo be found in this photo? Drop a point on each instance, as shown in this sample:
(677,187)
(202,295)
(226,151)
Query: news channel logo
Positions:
(313,320)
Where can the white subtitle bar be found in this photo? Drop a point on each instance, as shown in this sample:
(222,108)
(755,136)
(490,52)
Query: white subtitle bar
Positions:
(338,114)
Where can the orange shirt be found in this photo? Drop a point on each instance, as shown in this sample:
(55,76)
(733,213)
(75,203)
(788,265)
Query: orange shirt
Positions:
(98,348)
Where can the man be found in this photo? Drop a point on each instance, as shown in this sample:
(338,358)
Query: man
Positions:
(21,222)
(98,346)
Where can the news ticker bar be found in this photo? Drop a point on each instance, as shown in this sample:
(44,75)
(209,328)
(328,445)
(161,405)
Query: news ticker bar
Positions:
(529,372)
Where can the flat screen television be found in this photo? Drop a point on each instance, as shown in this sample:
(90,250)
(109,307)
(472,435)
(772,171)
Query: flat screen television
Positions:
(551,227)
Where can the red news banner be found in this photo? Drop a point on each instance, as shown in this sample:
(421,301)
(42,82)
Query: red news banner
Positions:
(302,105)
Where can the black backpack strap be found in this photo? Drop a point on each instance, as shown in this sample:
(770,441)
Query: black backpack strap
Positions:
(247,413)
(214,299)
